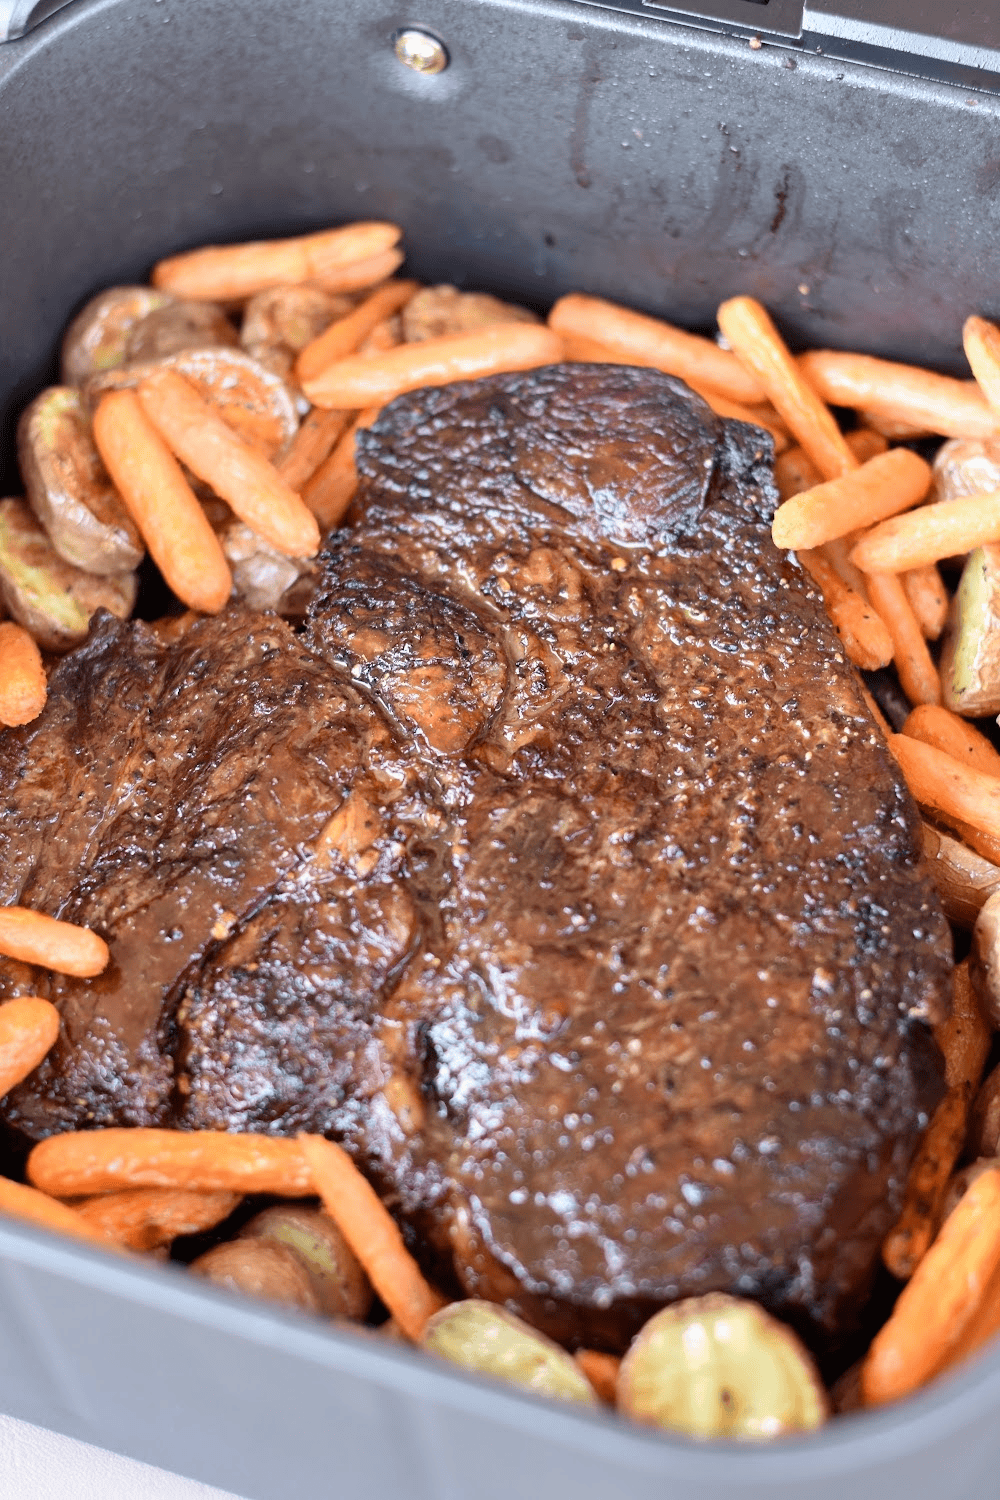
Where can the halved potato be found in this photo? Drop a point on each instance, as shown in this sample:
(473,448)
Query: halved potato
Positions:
(966,466)
(262,577)
(439,310)
(721,1367)
(69,488)
(97,339)
(970,658)
(48,596)
(179,326)
(482,1336)
(279,323)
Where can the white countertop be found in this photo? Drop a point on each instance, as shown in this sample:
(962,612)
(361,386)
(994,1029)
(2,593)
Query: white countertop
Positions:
(40,1465)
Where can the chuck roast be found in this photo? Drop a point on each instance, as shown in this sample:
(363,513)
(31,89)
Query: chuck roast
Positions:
(556,867)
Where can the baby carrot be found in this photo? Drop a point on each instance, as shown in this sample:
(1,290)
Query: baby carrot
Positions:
(103,1161)
(982,350)
(758,345)
(146,1218)
(162,503)
(884,486)
(63,946)
(239,474)
(372,1234)
(330,491)
(917,672)
(865,443)
(23,686)
(943,1301)
(314,441)
(928,598)
(223,273)
(373,379)
(343,336)
(631,338)
(33,1207)
(28,1030)
(359,275)
(938,726)
(926,402)
(943,784)
(946,528)
(602,1372)
(865,638)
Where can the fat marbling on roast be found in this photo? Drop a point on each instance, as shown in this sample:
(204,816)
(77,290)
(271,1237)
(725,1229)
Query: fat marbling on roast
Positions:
(556,867)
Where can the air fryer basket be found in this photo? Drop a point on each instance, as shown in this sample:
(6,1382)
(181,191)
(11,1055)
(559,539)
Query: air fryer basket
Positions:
(846,173)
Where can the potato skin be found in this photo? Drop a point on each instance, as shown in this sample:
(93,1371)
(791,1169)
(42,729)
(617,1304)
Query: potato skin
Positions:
(260,1268)
(341,1287)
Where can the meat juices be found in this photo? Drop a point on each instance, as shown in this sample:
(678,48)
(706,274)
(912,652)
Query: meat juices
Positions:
(557,868)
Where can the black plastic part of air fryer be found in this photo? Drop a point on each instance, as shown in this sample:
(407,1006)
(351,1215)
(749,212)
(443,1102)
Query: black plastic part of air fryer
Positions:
(653,158)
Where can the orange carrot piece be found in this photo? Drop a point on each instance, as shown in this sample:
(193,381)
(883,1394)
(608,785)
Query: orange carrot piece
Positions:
(946,528)
(162,503)
(759,346)
(935,403)
(982,350)
(866,443)
(35,938)
(145,1218)
(945,786)
(911,1236)
(83,1162)
(943,1301)
(359,275)
(33,1207)
(330,491)
(28,1030)
(928,598)
(893,429)
(631,338)
(344,336)
(225,273)
(372,1234)
(958,738)
(865,638)
(314,441)
(239,474)
(602,1372)
(884,486)
(23,685)
(917,672)
(373,379)
(965,1037)
(757,416)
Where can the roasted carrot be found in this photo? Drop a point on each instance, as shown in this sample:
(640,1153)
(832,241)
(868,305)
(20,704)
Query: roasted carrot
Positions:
(757,416)
(917,672)
(945,1299)
(602,1372)
(373,379)
(359,275)
(865,638)
(162,503)
(28,1030)
(225,273)
(312,444)
(884,486)
(237,473)
(146,1218)
(928,598)
(935,403)
(23,685)
(83,1162)
(34,1207)
(344,336)
(982,350)
(760,348)
(965,1037)
(631,338)
(35,938)
(944,529)
(866,443)
(331,489)
(958,738)
(372,1234)
(942,784)
(893,429)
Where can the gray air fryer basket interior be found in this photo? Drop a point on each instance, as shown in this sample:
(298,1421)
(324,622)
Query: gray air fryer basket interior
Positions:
(846,171)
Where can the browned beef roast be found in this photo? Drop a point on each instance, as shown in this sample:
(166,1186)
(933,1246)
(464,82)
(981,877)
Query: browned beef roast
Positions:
(556,867)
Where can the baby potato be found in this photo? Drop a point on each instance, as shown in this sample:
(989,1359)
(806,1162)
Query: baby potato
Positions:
(97,339)
(260,1268)
(482,1336)
(720,1367)
(69,488)
(279,323)
(263,577)
(51,598)
(179,326)
(342,1289)
(439,310)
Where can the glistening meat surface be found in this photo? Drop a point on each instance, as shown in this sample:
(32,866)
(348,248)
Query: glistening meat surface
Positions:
(556,867)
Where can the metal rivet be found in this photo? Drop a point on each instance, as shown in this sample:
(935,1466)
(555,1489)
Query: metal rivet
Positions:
(421,52)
